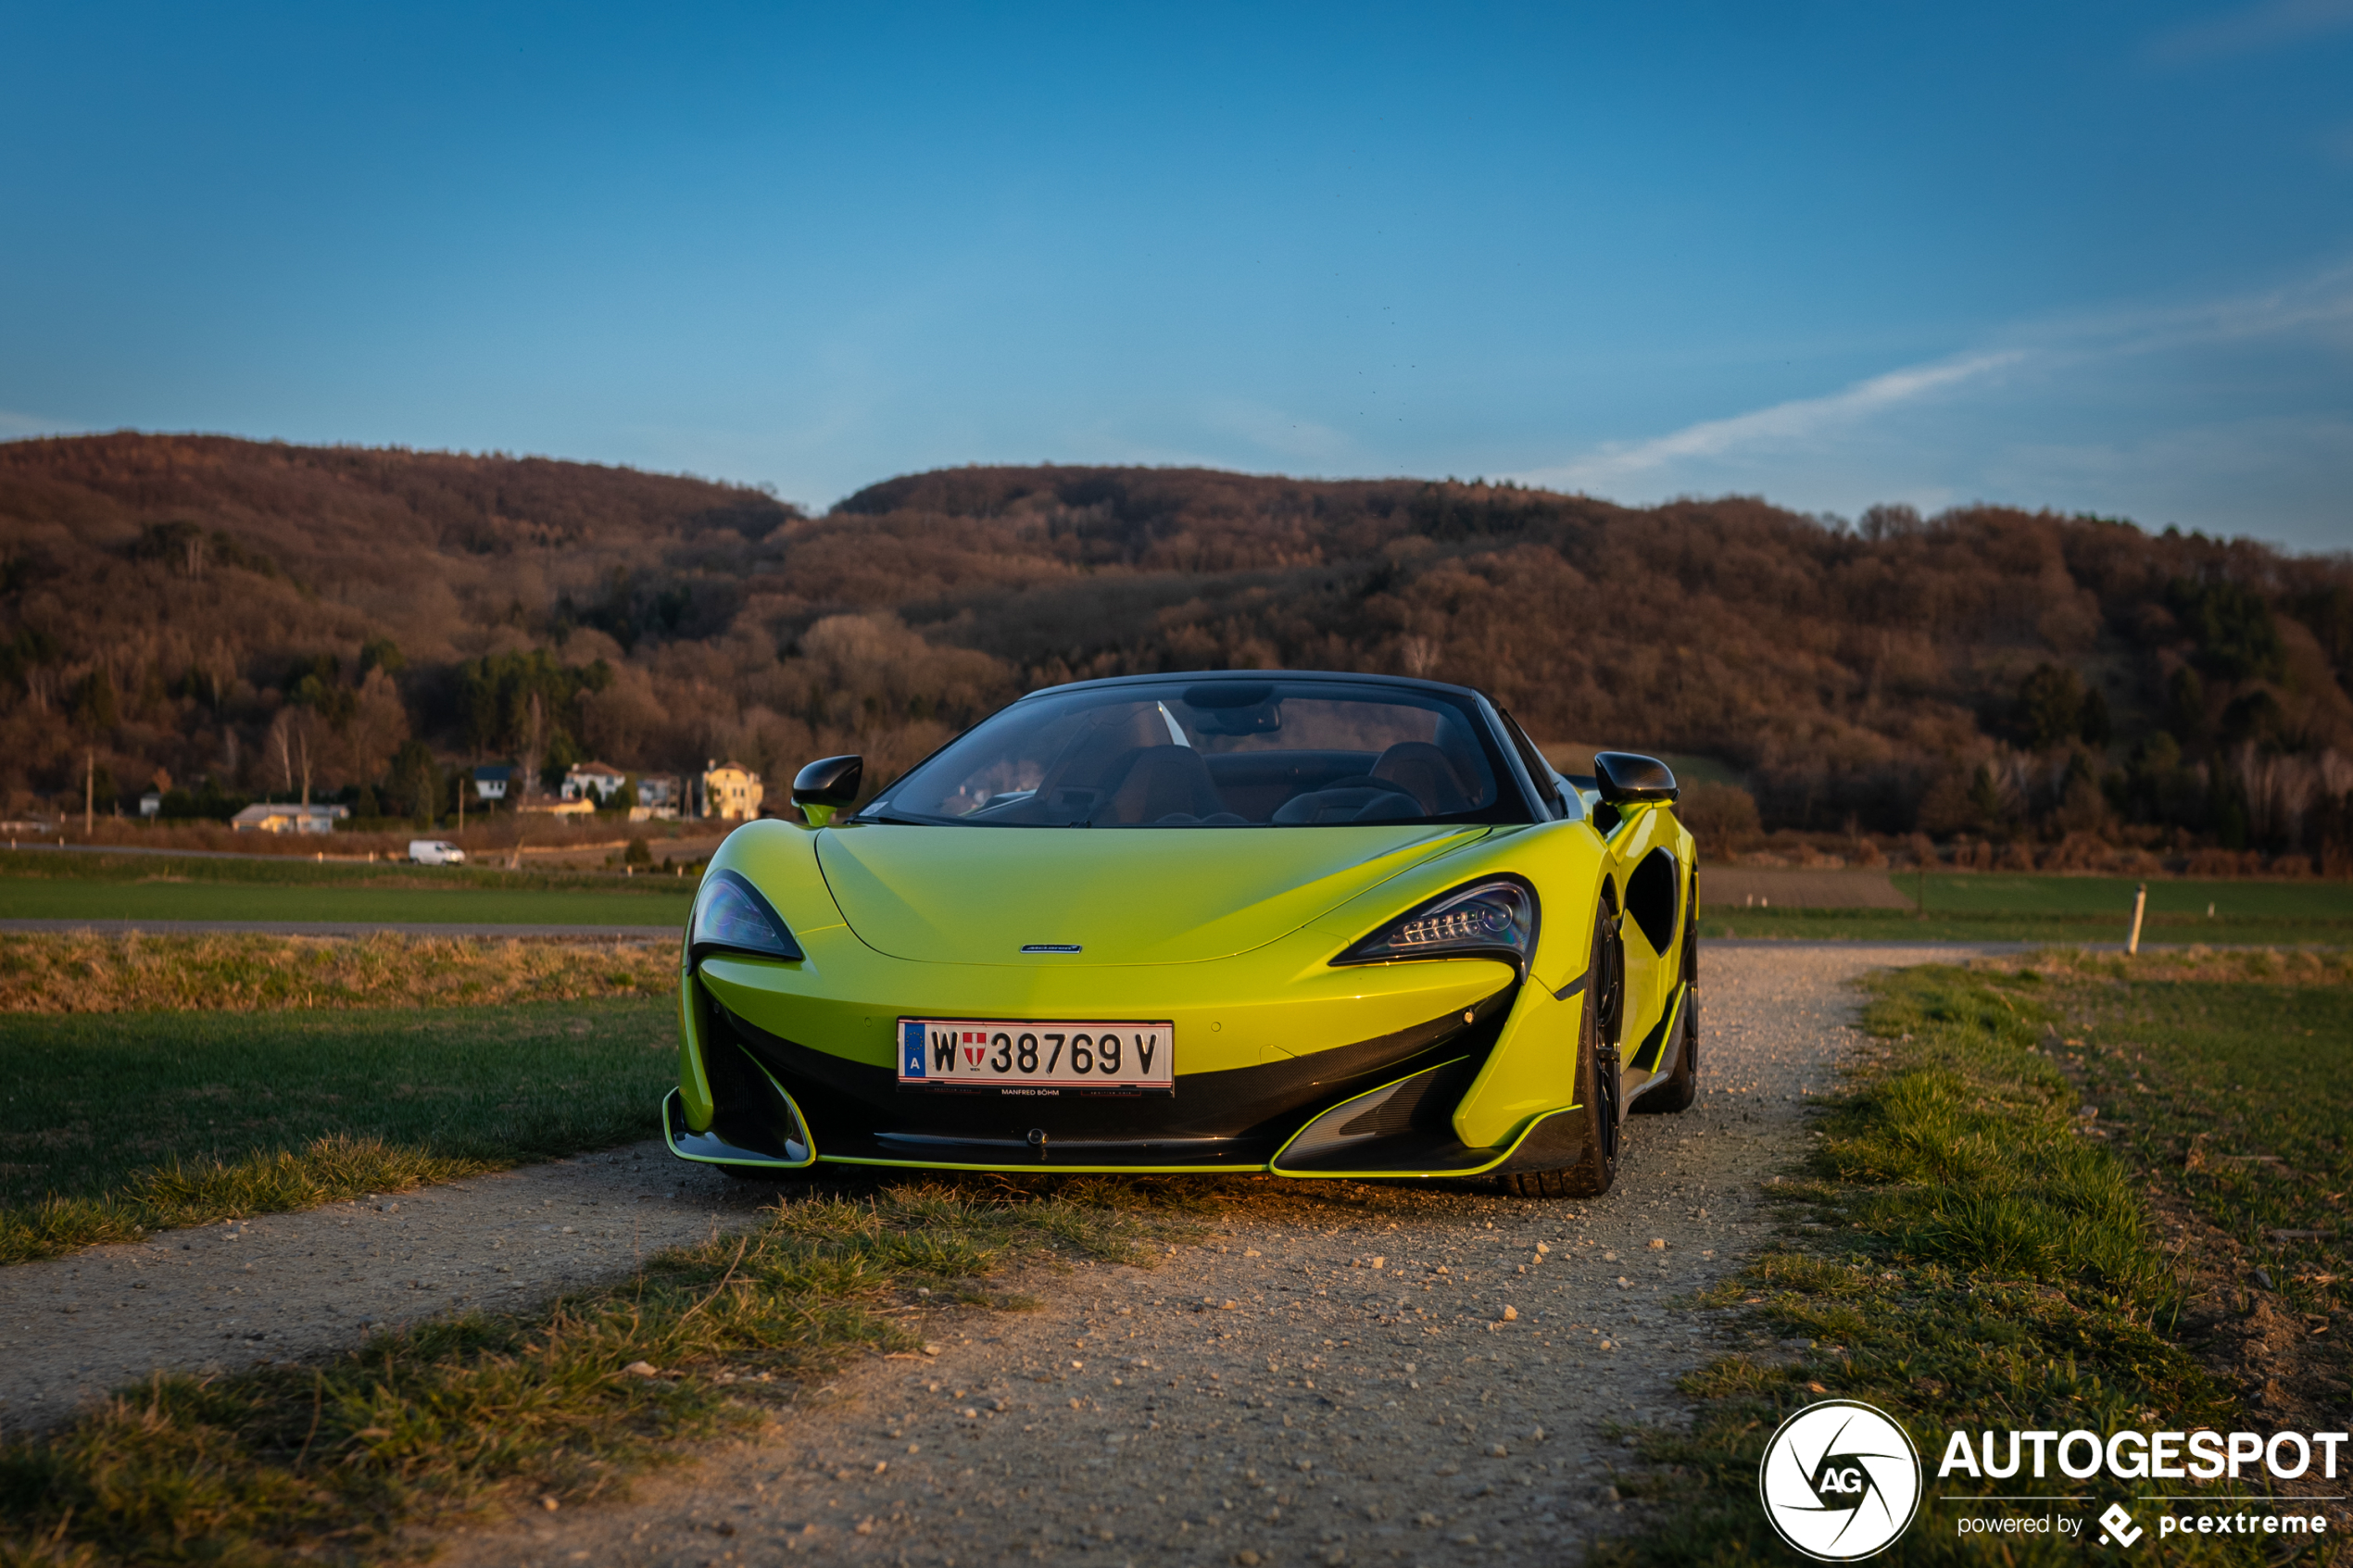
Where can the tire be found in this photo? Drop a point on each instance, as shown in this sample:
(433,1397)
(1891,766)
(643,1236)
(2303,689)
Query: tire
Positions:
(1681,1087)
(1601,1103)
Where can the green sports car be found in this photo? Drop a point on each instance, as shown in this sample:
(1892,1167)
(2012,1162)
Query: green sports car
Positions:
(1314,924)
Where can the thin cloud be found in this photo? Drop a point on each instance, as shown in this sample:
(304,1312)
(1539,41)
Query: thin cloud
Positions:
(2249,30)
(18,427)
(2314,310)
(1804,421)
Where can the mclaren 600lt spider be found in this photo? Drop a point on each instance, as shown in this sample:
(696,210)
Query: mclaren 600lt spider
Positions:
(1307,924)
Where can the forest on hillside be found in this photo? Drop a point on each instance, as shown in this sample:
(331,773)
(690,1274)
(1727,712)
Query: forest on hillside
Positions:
(230,620)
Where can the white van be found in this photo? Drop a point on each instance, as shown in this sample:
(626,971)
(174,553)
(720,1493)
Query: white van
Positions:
(434,852)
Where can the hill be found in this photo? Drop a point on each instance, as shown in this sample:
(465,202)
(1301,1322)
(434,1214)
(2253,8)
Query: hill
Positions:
(223,609)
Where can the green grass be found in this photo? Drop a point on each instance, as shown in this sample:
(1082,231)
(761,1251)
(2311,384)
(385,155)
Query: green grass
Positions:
(112,1123)
(340,1463)
(2039,927)
(289,871)
(2235,1096)
(2006,907)
(1960,1255)
(2110,898)
(48,885)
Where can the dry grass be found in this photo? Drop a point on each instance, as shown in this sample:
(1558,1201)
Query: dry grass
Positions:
(84,973)
(200,1192)
(2277,966)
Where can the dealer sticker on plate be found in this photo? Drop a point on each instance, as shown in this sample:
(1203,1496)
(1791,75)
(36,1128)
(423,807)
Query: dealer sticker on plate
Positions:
(983,1052)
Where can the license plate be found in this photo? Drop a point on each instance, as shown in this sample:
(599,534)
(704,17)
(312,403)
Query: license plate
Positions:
(996,1053)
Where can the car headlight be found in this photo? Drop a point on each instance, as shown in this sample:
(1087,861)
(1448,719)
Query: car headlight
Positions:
(731,917)
(1496,917)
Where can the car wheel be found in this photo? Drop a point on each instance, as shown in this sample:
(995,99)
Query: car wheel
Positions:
(1682,1085)
(1600,1105)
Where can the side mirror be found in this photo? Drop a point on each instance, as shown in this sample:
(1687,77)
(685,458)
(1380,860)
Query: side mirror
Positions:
(827,786)
(1627,779)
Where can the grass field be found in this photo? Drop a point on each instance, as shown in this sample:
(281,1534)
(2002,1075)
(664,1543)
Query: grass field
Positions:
(2236,1097)
(1961,1255)
(1990,907)
(112,1123)
(50,885)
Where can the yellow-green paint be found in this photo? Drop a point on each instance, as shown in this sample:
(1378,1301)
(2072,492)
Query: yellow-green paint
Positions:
(1127,897)
(1531,1071)
(1228,934)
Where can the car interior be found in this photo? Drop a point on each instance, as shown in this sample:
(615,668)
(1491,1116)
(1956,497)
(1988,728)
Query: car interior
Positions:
(1137,764)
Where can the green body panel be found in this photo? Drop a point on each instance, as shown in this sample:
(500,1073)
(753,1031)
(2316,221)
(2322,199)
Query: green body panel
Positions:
(1227,935)
(694,1081)
(1127,896)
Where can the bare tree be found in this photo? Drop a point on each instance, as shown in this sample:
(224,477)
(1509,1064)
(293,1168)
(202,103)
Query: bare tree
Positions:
(534,743)
(292,735)
(281,738)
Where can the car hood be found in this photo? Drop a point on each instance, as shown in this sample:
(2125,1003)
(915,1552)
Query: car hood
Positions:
(952,894)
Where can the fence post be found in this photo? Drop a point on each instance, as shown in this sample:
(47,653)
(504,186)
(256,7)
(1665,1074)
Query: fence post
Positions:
(2140,903)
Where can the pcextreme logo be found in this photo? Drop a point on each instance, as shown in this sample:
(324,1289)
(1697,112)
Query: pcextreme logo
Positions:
(1840,1480)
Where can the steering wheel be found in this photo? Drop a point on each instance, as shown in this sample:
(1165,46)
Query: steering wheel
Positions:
(1367,781)
(1303,808)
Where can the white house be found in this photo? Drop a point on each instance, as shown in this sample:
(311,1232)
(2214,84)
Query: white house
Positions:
(601,779)
(289,818)
(490,782)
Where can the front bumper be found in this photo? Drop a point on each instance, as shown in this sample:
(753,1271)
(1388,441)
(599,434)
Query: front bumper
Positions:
(1272,1045)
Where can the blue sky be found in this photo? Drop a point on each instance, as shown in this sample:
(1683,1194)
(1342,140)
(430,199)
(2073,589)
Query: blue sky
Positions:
(2097,256)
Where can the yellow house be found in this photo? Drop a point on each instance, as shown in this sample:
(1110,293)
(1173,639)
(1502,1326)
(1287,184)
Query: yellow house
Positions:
(730,792)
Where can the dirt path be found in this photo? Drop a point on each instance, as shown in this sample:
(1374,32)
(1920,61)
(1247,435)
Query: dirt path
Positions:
(1333,1379)
(285,1287)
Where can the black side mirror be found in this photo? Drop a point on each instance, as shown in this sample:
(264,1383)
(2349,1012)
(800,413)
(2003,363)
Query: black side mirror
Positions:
(827,786)
(1627,779)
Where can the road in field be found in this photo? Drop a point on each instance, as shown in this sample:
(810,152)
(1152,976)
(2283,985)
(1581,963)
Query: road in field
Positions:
(1344,1374)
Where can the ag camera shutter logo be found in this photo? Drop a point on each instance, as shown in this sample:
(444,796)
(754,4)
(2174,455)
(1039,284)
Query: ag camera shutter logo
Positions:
(1840,1481)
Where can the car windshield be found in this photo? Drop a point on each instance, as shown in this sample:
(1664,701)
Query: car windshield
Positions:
(1273,753)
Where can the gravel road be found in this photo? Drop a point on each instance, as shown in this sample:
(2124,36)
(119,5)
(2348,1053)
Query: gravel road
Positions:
(1344,1374)
(284,1286)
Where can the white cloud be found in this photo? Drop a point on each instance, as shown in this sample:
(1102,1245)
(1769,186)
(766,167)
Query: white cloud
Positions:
(1802,421)
(2248,30)
(1828,441)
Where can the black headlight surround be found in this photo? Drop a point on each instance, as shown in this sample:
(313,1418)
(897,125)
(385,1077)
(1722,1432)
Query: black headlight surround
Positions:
(733,885)
(1377,947)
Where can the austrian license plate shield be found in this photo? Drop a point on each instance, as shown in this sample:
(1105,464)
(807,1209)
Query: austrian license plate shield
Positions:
(1025,1057)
